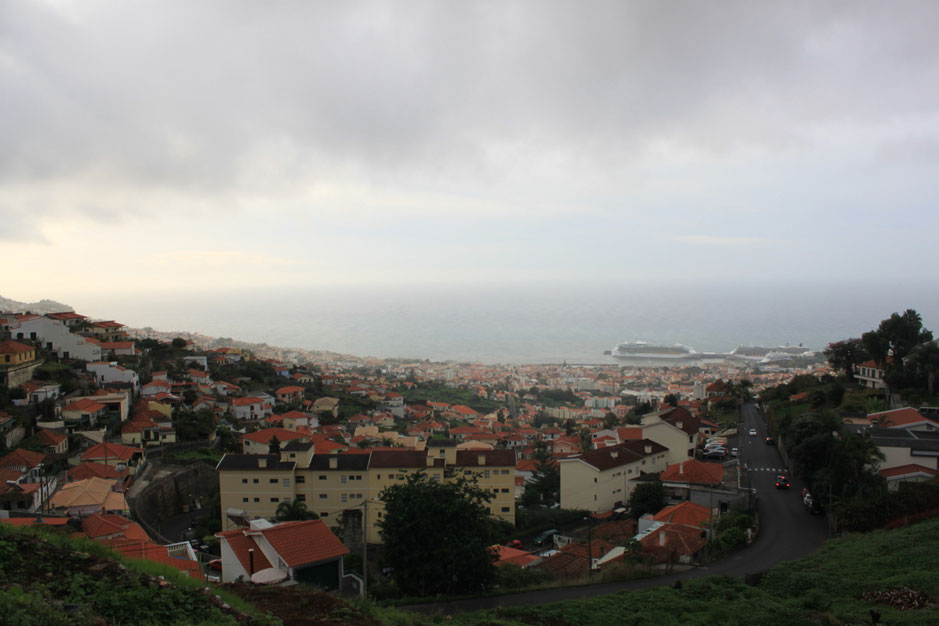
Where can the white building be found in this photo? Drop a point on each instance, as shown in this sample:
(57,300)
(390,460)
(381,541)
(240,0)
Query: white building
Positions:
(55,335)
(107,372)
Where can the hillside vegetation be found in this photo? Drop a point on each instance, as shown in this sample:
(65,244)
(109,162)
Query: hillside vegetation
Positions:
(48,578)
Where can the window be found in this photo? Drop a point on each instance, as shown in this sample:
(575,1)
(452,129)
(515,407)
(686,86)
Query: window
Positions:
(505,490)
(254,480)
(286,482)
(244,499)
(505,472)
(301,497)
(301,479)
(358,496)
(505,509)
(378,476)
(257,499)
(342,498)
(322,476)
(485,473)
(275,499)
(594,479)
(244,481)
(342,479)
(322,496)
(273,481)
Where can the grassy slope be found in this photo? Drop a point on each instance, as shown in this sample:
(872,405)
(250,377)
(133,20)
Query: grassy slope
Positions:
(822,588)
(49,578)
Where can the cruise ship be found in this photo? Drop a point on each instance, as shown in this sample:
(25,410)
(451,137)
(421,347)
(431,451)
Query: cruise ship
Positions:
(643,350)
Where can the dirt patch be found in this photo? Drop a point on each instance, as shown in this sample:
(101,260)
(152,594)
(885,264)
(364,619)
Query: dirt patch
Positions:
(301,607)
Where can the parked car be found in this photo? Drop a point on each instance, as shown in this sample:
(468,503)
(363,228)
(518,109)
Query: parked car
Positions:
(769,441)
(215,564)
(734,452)
(753,432)
(782,482)
(716,453)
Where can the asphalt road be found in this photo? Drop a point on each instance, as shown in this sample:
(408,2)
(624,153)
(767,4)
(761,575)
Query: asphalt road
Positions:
(787,531)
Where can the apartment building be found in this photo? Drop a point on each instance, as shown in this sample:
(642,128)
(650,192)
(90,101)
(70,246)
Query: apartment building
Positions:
(252,486)
(599,480)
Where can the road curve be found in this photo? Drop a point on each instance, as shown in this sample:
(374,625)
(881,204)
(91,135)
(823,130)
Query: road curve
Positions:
(787,531)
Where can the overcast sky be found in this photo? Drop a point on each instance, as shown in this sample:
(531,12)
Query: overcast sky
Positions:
(178,144)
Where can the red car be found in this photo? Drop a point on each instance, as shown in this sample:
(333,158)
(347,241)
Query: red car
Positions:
(215,564)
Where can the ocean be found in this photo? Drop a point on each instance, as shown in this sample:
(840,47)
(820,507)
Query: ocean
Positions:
(528,323)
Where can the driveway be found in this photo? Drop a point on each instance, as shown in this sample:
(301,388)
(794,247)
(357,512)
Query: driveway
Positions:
(787,531)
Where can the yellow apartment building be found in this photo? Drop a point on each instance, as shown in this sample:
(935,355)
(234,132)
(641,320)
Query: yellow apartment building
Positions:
(252,486)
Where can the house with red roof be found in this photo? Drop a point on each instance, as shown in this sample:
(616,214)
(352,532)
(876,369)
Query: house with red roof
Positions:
(116,455)
(91,469)
(17,362)
(266,553)
(870,374)
(259,441)
(251,408)
(289,393)
(24,461)
(53,443)
(686,513)
(906,417)
(673,543)
(910,473)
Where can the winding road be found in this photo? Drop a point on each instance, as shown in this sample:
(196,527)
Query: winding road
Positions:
(787,531)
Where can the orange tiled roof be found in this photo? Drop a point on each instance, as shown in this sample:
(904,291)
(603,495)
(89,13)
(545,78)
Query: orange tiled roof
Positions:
(300,543)
(694,471)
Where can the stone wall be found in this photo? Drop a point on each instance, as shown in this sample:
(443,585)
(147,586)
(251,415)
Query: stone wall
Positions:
(171,490)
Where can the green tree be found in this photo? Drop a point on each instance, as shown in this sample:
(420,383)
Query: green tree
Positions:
(894,339)
(923,366)
(438,536)
(586,441)
(293,510)
(178,342)
(647,498)
(273,446)
(546,479)
(193,425)
(671,399)
(846,355)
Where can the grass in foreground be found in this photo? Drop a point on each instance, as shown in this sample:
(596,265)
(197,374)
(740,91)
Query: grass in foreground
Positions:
(824,588)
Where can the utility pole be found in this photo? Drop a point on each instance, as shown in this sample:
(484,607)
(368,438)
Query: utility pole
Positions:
(365,551)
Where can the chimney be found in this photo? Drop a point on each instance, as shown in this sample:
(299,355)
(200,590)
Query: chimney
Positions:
(661,538)
(614,454)
(679,424)
(250,561)
(681,468)
(333,462)
(262,462)
(430,459)
(648,448)
(481,458)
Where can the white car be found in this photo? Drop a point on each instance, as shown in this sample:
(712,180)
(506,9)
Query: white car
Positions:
(753,432)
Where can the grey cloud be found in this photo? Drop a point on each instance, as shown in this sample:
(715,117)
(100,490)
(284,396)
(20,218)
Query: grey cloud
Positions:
(184,94)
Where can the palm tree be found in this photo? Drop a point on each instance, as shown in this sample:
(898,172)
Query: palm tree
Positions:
(293,510)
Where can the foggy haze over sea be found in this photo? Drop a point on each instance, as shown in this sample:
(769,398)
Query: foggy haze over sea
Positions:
(542,323)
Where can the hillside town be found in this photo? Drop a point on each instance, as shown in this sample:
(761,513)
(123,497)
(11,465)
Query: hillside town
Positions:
(295,450)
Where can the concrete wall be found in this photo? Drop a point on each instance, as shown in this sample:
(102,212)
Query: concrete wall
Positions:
(169,489)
